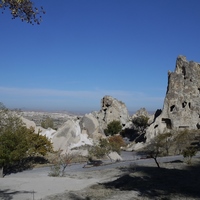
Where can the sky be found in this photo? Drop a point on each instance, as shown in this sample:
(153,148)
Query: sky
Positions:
(86,49)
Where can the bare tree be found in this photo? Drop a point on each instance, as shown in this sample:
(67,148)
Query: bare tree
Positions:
(60,162)
(158,146)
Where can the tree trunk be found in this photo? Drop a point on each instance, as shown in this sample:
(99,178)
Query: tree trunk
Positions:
(155,158)
(63,169)
(1,172)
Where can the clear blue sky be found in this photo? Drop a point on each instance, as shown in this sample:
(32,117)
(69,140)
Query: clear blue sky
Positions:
(85,49)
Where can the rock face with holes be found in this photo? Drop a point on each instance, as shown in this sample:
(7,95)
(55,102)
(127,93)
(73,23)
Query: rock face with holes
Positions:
(181,107)
(112,109)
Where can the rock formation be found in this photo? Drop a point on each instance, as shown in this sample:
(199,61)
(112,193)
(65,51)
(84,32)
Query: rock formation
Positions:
(112,109)
(69,136)
(86,130)
(181,107)
(141,112)
(90,126)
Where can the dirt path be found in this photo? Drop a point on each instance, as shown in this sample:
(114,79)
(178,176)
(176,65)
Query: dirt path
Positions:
(175,180)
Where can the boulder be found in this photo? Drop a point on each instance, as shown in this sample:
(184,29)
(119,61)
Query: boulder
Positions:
(70,136)
(114,156)
(90,126)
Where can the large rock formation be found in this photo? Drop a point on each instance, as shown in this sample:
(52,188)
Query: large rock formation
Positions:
(181,107)
(141,112)
(86,130)
(70,136)
(112,109)
(90,126)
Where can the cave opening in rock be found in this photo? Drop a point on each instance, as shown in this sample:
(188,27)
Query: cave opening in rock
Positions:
(198,126)
(172,108)
(184,104)
(168,122)
(184,72)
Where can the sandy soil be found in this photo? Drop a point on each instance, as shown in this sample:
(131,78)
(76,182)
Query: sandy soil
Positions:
(174,180)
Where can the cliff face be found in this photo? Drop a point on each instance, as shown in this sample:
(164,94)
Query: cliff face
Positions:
(181,107)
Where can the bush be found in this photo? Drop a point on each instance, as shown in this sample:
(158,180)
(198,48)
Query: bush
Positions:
(47,123)
(116,142)
(140,122)
(113,128)
(17,142)
(188,153)
(106,146)
(55,171)
(60,161)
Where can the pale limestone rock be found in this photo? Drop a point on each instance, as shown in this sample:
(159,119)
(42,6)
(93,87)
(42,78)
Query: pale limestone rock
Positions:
(114,156)
(28,123)
(90,126)
(49,133)
(141,112)
(112,109)
(69,136)
(135,146)
(181,107)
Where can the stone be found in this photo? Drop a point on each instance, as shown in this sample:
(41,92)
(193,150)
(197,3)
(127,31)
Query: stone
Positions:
(28,123)
(49,133)
(141,112)
(90,125)
(83,130)
(114,156)
(181,107)
(112,109)
(70,136)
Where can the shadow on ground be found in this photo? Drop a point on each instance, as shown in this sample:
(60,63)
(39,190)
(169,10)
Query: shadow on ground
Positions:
(9,195)
(163,183)
(24,164)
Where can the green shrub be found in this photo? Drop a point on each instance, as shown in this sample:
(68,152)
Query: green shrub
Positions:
(188,153)
(113,128)
(47,123)
(140,122)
